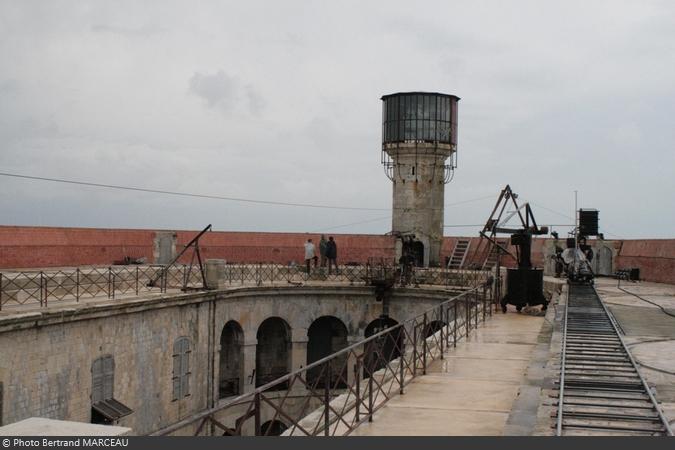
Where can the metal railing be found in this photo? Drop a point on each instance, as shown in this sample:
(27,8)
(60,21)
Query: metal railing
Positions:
(259,274)
(336,394)
(46,287)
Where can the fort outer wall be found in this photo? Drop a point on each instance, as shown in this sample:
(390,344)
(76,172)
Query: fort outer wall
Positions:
(46,357)
(37,247)
(654,257)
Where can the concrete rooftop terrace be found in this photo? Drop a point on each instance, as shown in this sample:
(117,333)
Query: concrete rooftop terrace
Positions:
(501,380)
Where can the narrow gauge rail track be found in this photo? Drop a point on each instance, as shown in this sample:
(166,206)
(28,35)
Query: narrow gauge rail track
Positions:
(601,389)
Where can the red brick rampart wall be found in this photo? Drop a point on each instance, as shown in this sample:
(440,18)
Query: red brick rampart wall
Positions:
(251,247)
(30,247)
(33,247)
(654,257)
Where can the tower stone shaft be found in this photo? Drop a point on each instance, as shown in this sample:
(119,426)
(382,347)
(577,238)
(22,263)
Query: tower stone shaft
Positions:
(419,146)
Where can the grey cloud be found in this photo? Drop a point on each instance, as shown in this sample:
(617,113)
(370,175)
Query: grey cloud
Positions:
(143,31)
(218,89)
(9,87)
(257,99)
(226,92)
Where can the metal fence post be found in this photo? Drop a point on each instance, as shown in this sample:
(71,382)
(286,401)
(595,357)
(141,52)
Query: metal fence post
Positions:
(483,303)
(137,272)
(0,291)
(441,319)
(475,302)
(77,284)
(414,355)
(42,276)
(454,325)
(112,280)
(447,331)
(401,358)
(256,405)
(467,319)
(370,397)
(357,378)
(424,346)
(326,401)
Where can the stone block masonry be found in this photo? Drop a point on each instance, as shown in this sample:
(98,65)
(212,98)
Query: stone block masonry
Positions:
(46,357)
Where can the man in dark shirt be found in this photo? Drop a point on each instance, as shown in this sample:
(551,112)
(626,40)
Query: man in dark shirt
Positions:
(331,254)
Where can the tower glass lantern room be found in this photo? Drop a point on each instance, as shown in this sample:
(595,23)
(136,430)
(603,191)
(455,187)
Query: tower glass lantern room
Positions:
(419,117)
(421,120)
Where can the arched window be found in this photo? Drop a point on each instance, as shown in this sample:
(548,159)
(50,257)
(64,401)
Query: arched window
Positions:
(273,352)
(181,368)
(327,335)
(231,356)
(102,379)
(104,408)
(383,349)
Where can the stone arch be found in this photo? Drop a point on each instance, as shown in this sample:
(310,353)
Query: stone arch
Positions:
(230,378)
(273,428)
(327,335)
(273,351)
(604,259)
(383,349)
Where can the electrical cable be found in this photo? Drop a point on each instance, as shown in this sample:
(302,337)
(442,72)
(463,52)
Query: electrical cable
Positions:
(648,301)
(388,217)
(565,215)
(186,194)
(207,196)
(353,223)
(254,201)
(653,341)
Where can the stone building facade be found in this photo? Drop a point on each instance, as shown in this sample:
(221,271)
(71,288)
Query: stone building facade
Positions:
(170,353)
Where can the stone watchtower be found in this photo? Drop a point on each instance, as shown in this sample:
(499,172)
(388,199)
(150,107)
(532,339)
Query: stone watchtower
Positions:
(419,155)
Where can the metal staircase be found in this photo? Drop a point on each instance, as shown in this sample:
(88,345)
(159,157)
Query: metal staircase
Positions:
(459,254)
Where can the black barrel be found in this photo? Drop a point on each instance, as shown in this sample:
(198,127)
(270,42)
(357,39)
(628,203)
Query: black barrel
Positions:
(524,287)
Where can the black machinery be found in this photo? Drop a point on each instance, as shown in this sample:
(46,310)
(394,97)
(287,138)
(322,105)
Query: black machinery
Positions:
(525,284)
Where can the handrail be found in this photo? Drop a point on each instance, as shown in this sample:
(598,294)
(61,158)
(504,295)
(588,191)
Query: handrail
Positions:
(406,364)
(45,287)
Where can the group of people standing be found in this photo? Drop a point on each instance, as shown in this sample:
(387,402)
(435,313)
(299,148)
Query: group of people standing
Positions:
(327,251)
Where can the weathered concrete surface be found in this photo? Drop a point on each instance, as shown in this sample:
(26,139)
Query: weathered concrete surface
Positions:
(46,356)
(649,333)
(472,391)
(38,426)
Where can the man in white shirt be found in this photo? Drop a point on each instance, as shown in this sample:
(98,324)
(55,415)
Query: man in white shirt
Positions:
(309,254)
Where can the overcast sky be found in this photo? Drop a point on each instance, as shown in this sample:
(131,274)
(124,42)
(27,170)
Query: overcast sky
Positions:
(281,101)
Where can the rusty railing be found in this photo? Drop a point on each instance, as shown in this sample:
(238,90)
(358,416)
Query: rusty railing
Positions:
(45,287)
(336,394)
